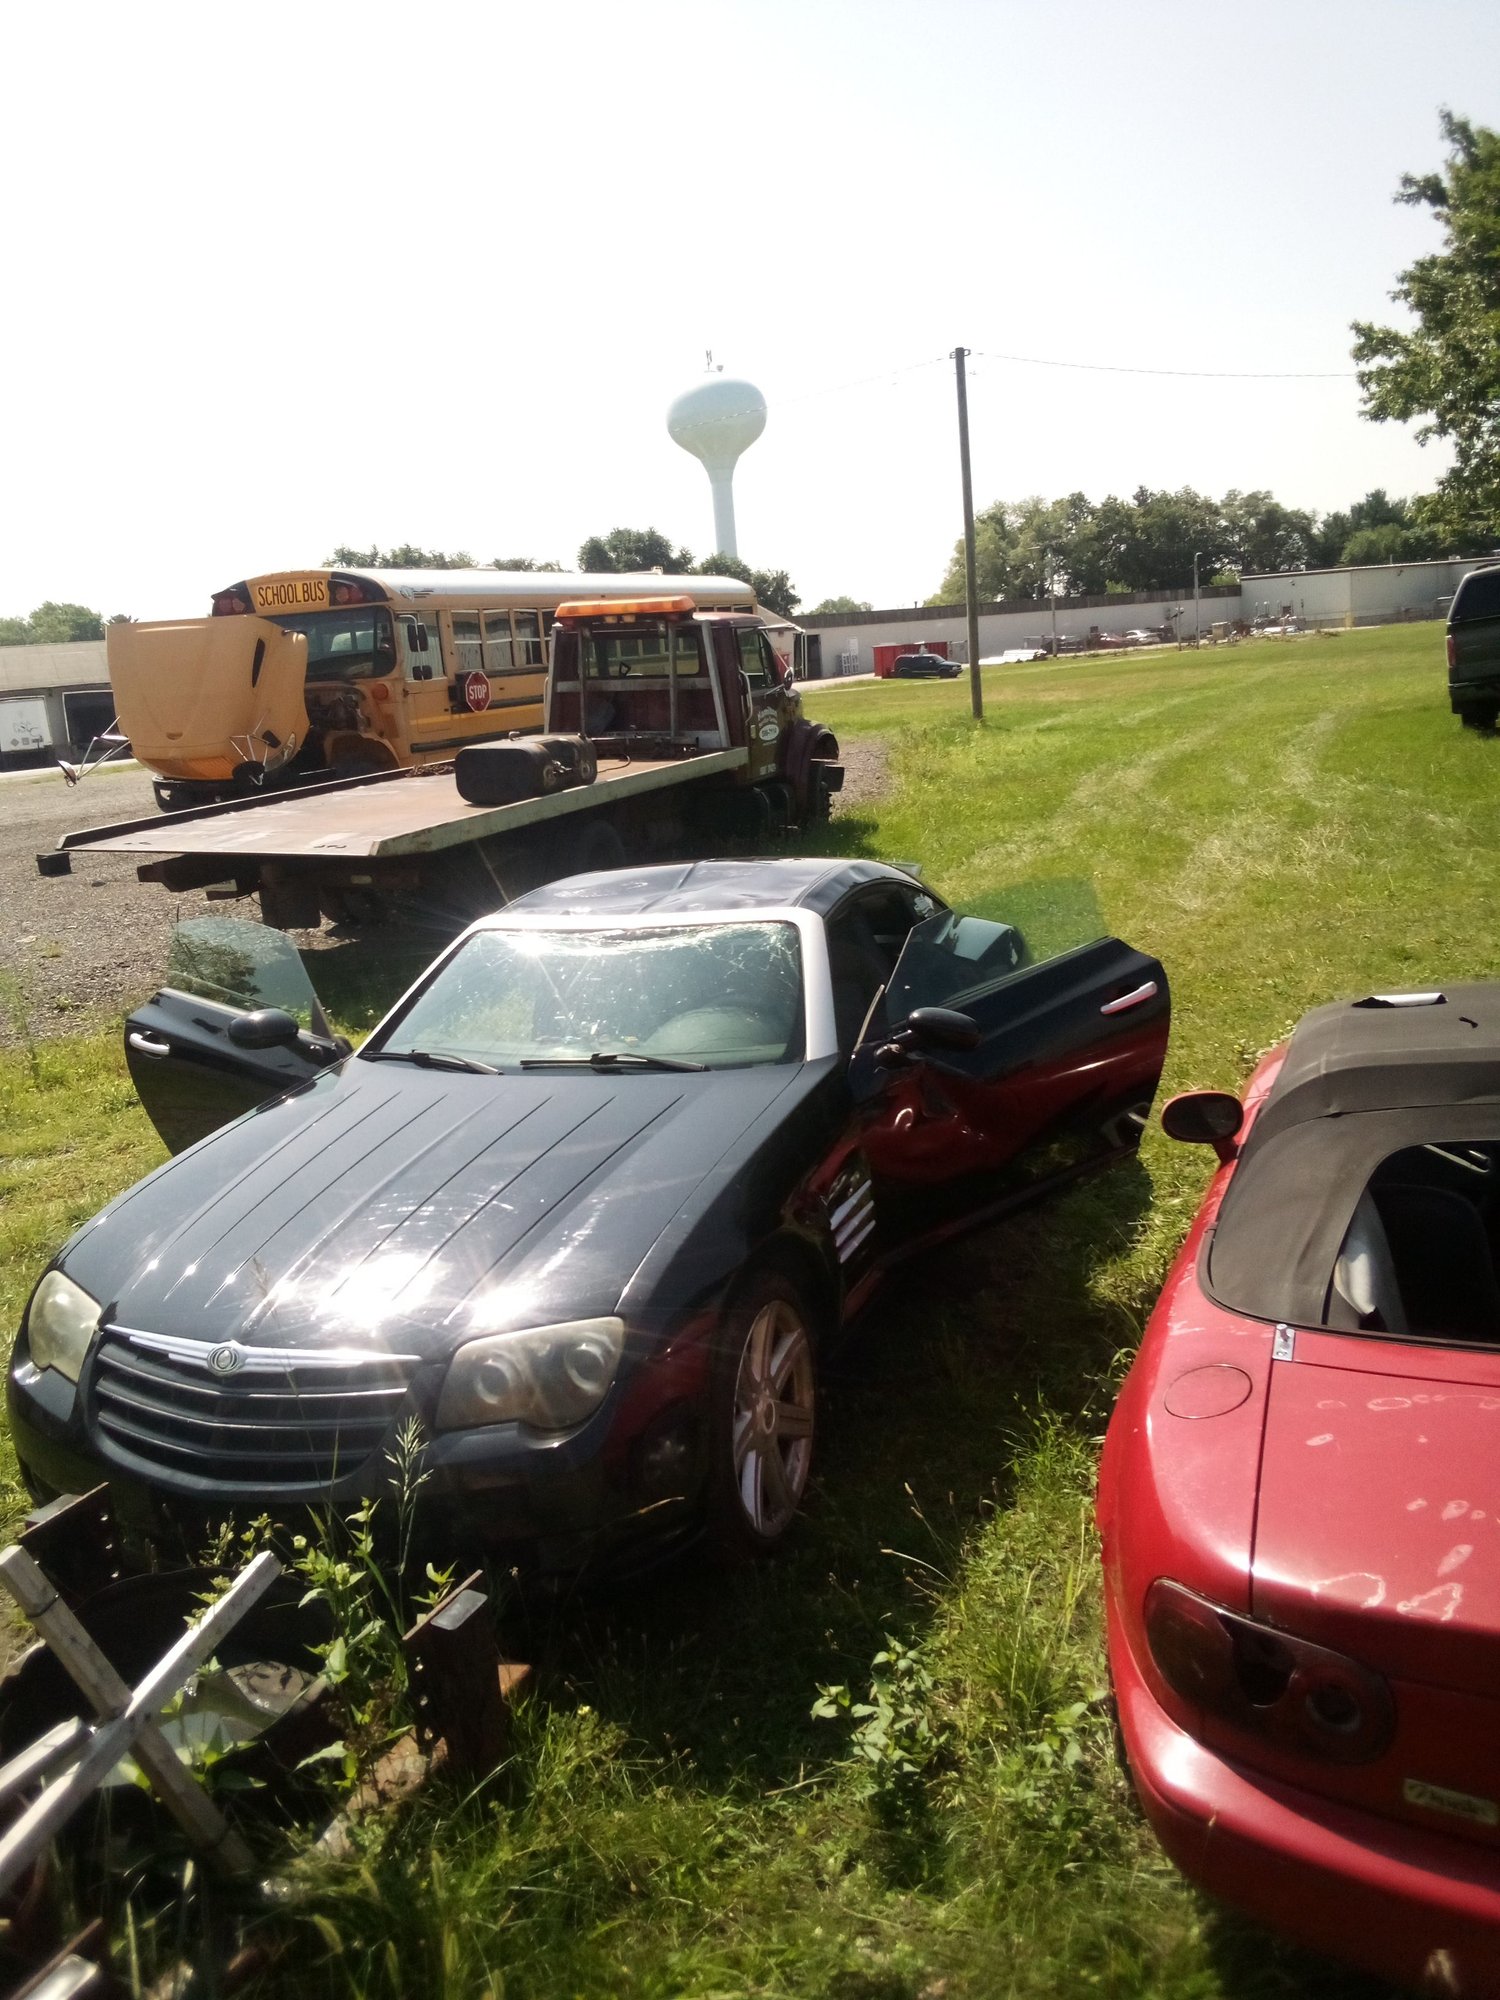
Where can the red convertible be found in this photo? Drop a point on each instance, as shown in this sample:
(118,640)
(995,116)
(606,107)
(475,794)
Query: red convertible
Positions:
(1300,1497)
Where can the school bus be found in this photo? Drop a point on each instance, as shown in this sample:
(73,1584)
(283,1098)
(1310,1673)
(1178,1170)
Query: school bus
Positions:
(320,673)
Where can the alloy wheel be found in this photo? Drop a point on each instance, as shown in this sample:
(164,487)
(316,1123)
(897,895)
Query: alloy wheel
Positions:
(774,1397)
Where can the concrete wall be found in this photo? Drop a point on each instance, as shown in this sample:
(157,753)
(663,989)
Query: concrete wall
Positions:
(1364,596)
(849,640)
(1322,596)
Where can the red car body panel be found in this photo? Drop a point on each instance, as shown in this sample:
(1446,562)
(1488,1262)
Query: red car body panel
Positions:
(1379,1513)
(1350,1497)
(1413,1905)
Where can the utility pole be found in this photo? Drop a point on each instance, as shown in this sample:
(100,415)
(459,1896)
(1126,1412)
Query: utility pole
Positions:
(1197,618)
(976,691)
(1052,591)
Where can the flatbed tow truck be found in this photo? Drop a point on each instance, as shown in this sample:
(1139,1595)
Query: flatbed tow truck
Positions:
(667,729)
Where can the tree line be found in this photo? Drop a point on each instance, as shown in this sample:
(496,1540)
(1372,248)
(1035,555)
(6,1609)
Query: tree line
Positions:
(622,550)
(1078,547)
(53,624)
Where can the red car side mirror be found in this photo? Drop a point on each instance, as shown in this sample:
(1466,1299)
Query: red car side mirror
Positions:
(1205,1118)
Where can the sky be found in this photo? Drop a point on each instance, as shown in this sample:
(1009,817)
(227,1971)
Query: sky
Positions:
(286,276)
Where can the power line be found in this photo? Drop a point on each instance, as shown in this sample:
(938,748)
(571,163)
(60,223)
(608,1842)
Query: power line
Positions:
(1195,374)
(892,375)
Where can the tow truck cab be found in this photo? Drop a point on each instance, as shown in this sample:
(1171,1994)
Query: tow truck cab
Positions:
(660,678)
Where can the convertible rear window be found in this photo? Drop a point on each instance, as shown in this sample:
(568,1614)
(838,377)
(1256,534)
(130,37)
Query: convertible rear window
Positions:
(721,995)
(1418,1258)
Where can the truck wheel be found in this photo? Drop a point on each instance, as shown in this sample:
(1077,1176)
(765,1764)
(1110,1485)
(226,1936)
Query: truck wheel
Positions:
(1479,714)
(595,847)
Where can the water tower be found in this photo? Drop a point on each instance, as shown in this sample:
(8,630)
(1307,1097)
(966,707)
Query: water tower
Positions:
(716,421)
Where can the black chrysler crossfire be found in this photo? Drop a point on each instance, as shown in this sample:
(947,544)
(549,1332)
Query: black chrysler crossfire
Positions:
(586,1206)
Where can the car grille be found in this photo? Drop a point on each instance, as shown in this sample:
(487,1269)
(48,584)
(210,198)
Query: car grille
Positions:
(235,1417)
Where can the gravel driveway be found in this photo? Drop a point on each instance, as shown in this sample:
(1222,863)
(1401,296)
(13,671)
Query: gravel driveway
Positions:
(77,950)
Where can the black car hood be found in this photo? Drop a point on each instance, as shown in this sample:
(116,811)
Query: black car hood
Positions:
(404,1208)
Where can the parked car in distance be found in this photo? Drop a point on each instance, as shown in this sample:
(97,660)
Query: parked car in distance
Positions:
(1474,649)
(1299,1499)
(924,667)
(587,1204)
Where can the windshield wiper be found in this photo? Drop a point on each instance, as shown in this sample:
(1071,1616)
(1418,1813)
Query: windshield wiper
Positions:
(608,1059)
(432,1059)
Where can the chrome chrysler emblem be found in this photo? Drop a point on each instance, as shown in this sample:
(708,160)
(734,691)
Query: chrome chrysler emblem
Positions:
(226,1360)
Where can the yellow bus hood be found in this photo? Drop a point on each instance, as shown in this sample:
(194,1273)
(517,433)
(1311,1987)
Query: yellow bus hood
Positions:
(198,697)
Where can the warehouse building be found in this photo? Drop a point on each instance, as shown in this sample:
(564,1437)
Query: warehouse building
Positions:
(53,701)
(1377,595)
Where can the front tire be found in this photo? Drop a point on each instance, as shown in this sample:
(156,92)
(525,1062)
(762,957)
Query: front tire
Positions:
(763,1418)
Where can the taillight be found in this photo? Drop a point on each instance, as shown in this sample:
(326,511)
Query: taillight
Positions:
(1452,651)
(231,604)
(1300,1696)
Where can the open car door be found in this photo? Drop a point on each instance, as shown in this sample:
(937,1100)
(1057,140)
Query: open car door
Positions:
(225,978)
(1071,1036)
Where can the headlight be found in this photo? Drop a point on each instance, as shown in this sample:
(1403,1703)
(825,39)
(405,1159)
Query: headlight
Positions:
(548,1376)
(60,1324)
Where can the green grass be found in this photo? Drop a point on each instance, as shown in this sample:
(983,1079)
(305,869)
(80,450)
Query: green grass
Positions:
(1280,823)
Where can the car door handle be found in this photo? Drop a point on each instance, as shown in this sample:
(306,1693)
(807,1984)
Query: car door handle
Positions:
(1135,998)
(146,1045)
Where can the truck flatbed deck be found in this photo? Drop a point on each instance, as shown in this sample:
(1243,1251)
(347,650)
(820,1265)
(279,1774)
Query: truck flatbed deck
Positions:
(382,817)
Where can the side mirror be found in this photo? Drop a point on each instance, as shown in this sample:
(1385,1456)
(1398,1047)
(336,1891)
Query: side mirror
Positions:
(1205,1118)
(928,1028)
(265,1028)
(942,1028)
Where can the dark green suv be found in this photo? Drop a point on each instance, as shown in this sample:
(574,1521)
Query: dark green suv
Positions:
(1474,649)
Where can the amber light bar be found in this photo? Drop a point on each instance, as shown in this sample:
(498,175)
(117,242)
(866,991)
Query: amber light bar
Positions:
(628,607)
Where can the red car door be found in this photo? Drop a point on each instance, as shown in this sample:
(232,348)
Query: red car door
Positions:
(1069,1055)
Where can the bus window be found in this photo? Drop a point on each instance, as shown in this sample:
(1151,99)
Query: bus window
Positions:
(468,652)
(345,645)
(497,655)
(530,651)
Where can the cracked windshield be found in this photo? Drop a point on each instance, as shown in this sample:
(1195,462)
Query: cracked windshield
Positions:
(717,995)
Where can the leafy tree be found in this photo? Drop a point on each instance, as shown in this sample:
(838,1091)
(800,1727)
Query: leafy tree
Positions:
(523,562)
(1378,529)
(1024,548)
(772,587)
(644,549)
(831,606)
(58,624)
(407,556)
(1447,369)
(119,618)
(1265,535)
(632,549)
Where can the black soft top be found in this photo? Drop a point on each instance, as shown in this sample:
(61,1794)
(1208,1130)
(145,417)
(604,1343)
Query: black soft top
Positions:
(1362,1079)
